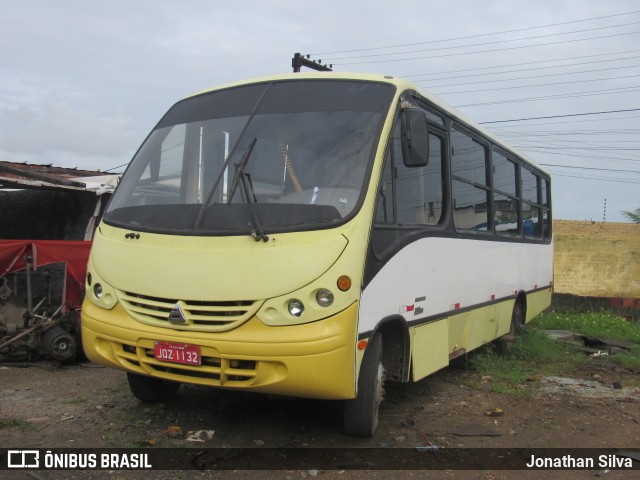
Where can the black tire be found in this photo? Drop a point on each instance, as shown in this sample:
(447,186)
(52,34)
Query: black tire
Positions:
(152,390)
(361,413)
(80,355)
(505,343)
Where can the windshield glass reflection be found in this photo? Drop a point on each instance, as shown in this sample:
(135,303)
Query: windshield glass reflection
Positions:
(309,144)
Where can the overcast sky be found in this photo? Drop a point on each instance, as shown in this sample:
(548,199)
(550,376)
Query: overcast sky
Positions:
(83,82)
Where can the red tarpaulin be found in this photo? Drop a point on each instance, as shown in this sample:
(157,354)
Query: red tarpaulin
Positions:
(43,252)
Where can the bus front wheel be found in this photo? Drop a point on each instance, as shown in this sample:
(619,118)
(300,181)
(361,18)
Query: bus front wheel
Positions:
(151,390)
(361,413)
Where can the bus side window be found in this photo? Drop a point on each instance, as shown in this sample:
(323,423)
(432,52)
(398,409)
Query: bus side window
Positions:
(531,217)
(546,209)
(470,190)
(419,189)
(505,196)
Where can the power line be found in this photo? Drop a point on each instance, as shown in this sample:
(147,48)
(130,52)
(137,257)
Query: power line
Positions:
(578,146)
(476,69)
(551,139)
(555,144)
(529,77)
(563,116)
(609,158)
(589,168)
(479,35)
(333,60)
(585,120)
(476,75)
(600,157)
(585,131)
(587,145)
(590,93)
(588,148)
(487,51)
(600,179)
(590,133)
(588,80)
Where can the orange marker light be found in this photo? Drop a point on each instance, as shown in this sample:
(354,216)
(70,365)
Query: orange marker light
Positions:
(362,344)
(344,283)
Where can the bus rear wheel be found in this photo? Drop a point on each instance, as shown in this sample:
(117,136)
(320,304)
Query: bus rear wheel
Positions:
(361,413)
(151,390)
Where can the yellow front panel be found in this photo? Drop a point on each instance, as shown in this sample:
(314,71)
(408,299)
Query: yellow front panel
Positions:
(313,360)
(213,268)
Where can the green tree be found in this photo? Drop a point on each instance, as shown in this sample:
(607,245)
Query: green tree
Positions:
(633,216)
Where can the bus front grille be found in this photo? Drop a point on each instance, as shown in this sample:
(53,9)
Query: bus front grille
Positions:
(194,315)
(214,370)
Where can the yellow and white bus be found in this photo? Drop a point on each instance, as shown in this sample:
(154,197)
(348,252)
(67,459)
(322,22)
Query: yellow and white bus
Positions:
(314,235)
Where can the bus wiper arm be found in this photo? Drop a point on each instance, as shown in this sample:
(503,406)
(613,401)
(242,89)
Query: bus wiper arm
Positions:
(217,181)
(240,166)
(258,232)
(244,179)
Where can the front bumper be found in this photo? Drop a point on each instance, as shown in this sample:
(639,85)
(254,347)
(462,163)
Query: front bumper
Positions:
(314,360)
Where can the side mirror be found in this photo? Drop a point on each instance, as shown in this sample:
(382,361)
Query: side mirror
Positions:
(415,137)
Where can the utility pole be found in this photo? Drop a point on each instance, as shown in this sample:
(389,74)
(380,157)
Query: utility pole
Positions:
(298,61)
(604,215)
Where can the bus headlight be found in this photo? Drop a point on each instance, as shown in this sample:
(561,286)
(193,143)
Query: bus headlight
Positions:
(296,307)
(324,297)
(98,291)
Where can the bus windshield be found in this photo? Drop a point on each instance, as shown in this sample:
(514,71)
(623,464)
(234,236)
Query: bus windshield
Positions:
(291,155)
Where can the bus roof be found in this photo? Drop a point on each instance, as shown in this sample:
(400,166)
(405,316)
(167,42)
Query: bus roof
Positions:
(401,85)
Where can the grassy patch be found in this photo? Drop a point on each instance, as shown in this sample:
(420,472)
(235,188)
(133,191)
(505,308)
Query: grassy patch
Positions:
(14,423)
(536,355)
(121,388)
(597,324)
(77,400)
(145,414)
(630,361)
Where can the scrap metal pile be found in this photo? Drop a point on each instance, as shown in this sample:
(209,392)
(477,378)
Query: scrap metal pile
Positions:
(41,287)
(46,239)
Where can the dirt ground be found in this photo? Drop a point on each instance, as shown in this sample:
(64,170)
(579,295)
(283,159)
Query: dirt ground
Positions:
(84,405)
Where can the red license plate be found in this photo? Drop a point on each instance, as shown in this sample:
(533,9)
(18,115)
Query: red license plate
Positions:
(177,353)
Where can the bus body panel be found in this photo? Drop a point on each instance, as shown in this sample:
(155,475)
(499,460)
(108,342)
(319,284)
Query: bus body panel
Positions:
(428,278)
(428,360)
(451,309)
(537,302)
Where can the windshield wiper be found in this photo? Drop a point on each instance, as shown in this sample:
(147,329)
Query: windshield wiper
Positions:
(217,181)
(244,179)
(240,171)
